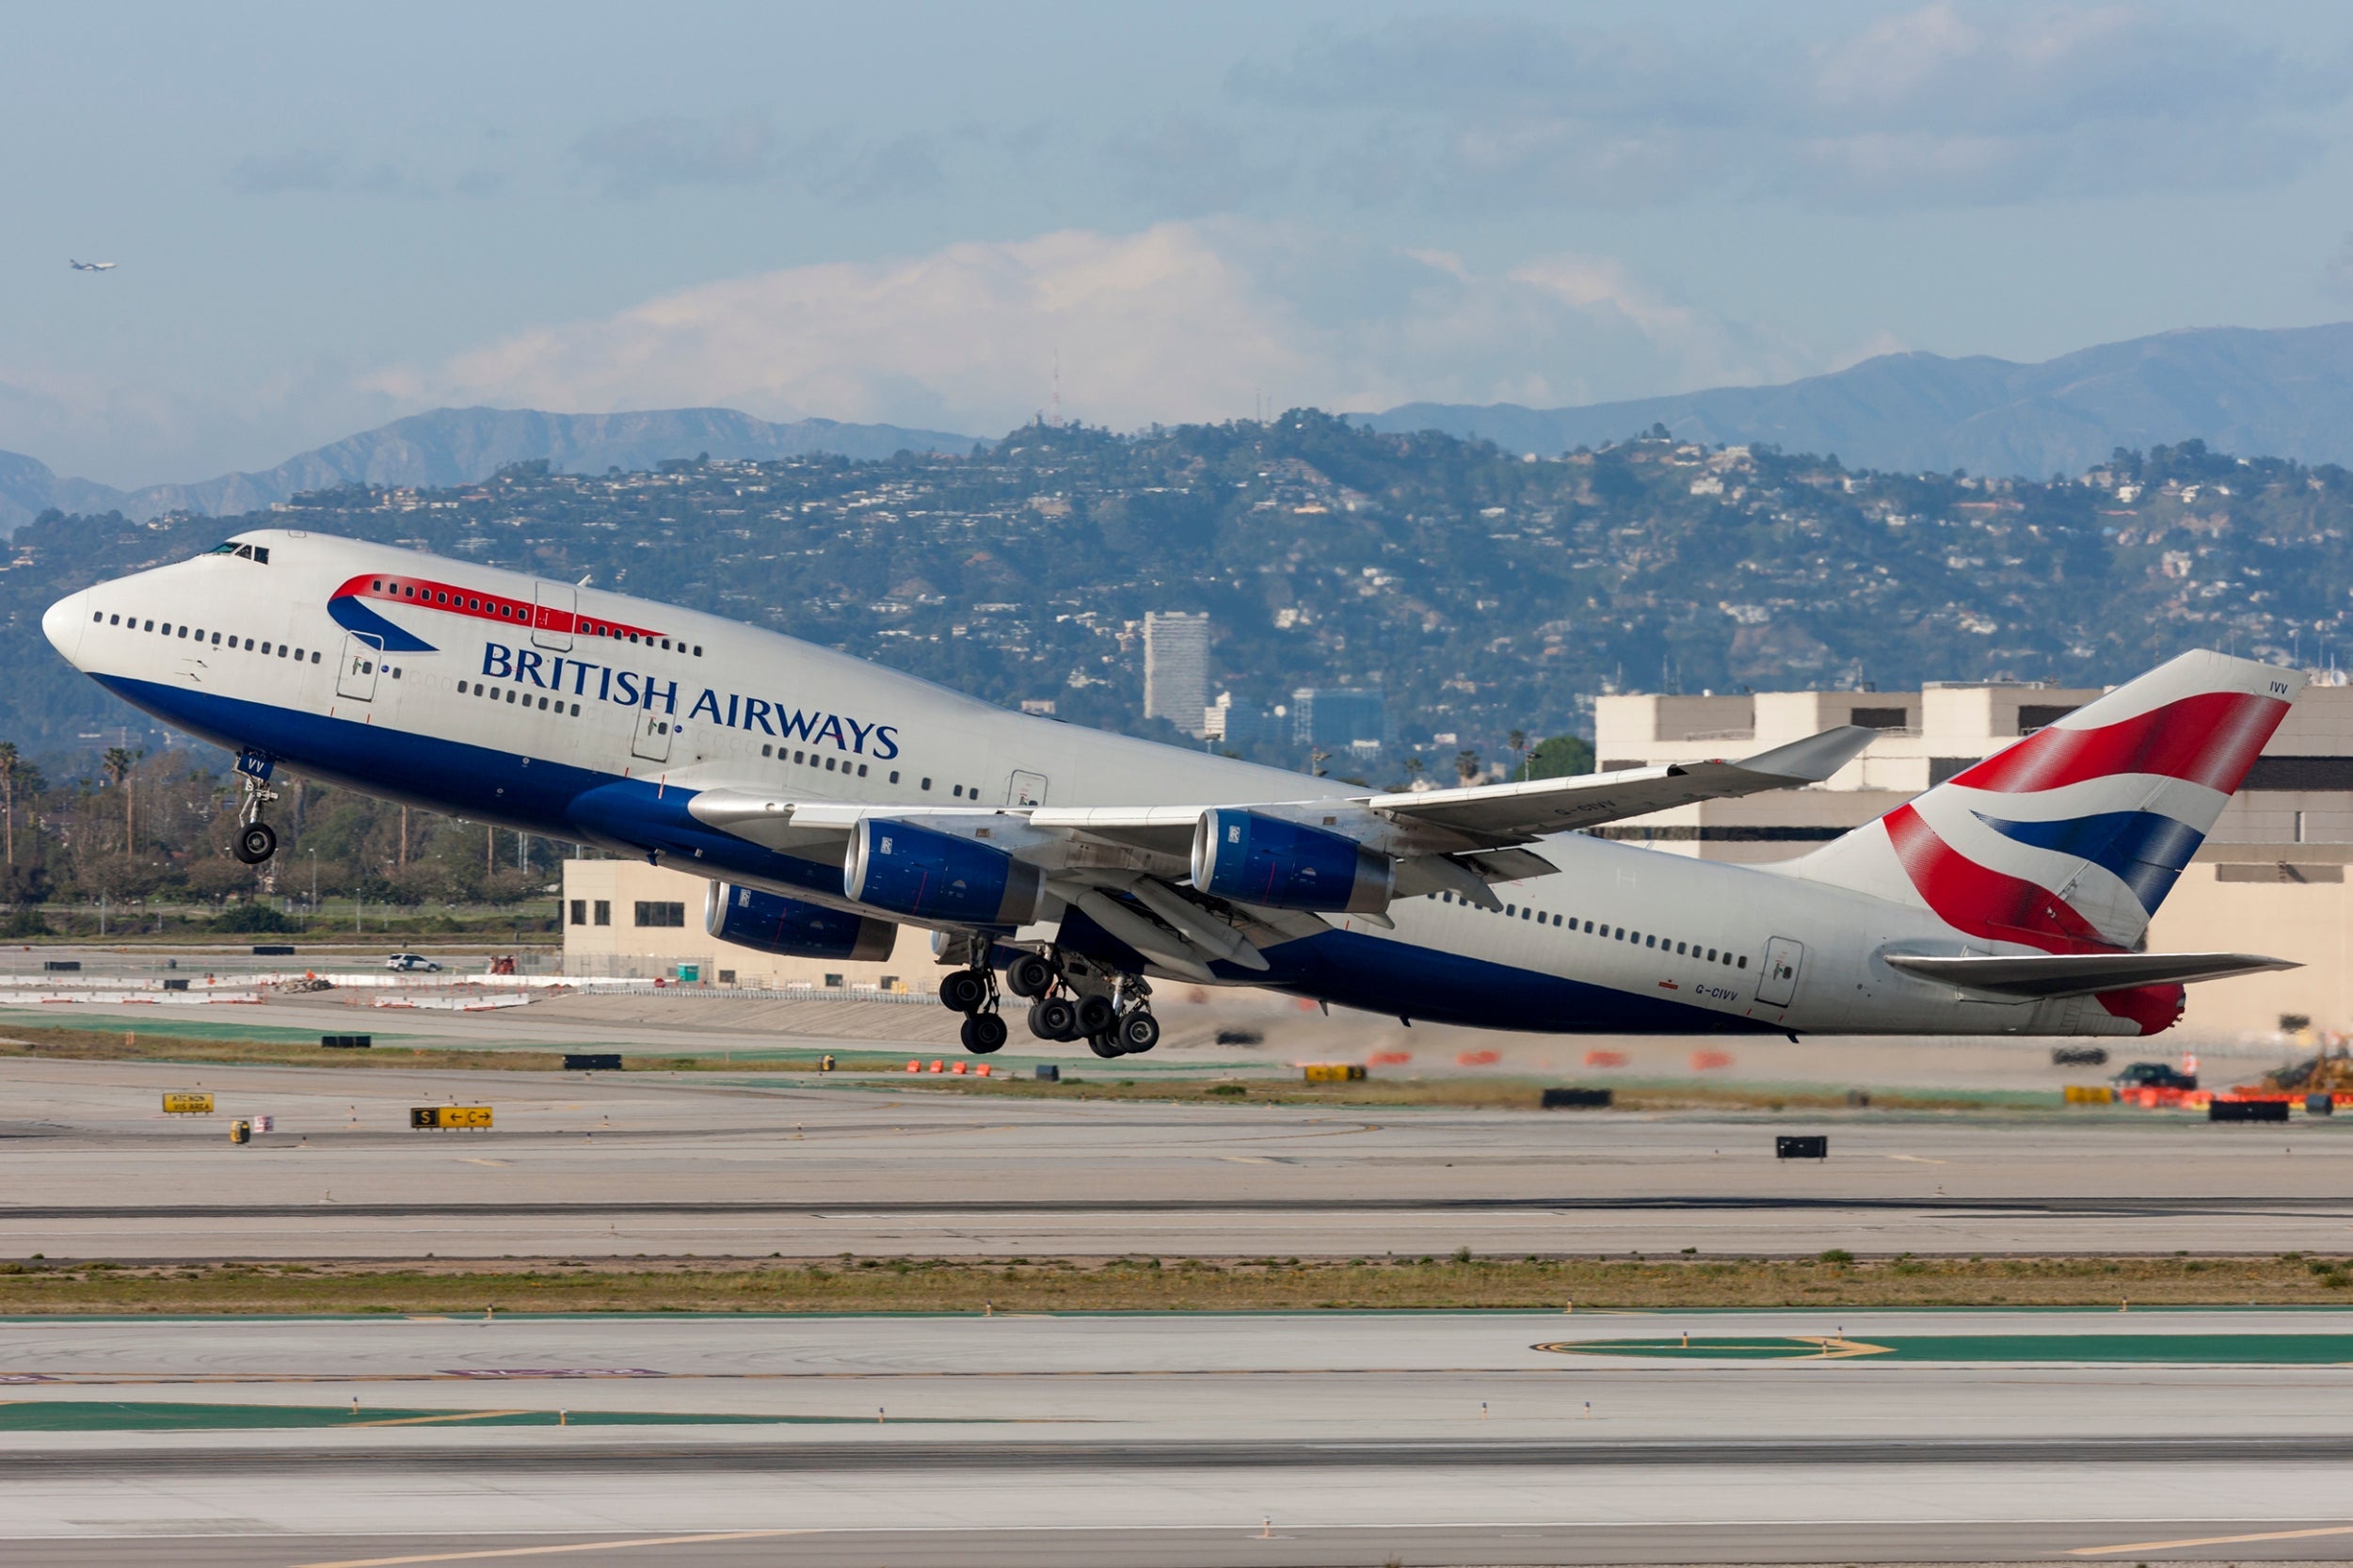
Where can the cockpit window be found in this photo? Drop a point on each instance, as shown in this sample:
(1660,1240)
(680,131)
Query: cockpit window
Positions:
(259,553)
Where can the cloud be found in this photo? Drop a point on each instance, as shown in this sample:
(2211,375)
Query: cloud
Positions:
(1935,105)
(1182,321)
(316,170)
(1186,164)
(307,169)
(2336,274)
(641,158)
(663,151)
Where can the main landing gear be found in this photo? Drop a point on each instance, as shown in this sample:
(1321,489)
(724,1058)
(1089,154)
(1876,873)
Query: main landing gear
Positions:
(973,993)
(1072,998)
(256,839)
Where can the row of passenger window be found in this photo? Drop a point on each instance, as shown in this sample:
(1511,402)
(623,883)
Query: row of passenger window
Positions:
(1618,934)
(831,764)
(841,764)
(218,639)
(482,688)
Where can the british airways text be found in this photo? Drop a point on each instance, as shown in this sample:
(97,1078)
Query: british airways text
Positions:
(552,672)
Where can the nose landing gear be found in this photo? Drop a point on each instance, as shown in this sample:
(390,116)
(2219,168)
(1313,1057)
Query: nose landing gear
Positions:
(256,839)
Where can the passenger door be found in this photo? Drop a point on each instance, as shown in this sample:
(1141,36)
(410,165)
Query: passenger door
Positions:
(356,675)
(652,740)
(1026,789)
(1777,984)
(551,620)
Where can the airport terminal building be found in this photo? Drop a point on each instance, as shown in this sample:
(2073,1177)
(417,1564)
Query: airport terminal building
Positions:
(2270,879)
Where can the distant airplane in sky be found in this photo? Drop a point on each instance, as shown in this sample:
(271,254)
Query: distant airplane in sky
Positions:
(91,266)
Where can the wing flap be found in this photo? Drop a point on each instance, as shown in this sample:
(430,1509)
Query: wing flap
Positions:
(2039,976)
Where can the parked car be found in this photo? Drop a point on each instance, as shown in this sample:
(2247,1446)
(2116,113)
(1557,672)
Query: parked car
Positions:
(2153,1074)
(407,963)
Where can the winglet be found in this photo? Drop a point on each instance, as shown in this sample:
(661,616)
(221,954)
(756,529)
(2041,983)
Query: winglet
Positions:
(1813,759)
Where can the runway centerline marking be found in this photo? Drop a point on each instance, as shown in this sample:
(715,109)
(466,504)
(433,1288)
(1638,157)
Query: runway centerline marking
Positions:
(2209,1541)
(624,1545)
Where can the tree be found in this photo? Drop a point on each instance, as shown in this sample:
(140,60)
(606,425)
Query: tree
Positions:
(1560,758)
(1467,767)
(1517,740)
(8,763)
(118,763)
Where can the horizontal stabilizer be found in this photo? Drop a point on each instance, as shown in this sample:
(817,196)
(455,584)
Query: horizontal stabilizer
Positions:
(2080,974)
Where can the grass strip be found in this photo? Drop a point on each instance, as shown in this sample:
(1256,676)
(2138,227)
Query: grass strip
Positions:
(1152,1284)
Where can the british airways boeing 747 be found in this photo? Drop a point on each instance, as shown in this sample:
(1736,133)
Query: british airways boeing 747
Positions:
(828,800)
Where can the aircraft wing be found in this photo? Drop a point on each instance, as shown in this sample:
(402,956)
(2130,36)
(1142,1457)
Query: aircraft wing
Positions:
(1515,813)
(1137,859)
(2039,976)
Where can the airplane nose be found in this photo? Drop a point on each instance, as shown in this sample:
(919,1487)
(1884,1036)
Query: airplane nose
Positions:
(63,626)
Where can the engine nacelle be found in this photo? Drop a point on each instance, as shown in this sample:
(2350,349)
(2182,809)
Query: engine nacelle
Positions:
(773,923)
(1253,858)
(938,878)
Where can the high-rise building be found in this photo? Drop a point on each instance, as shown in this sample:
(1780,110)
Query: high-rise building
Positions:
(1176,668)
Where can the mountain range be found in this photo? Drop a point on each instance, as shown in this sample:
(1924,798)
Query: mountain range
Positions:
(458,446)
(2282,393)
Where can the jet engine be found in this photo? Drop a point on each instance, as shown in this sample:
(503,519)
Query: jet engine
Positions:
(940,878)
(773,923)
(1255,858)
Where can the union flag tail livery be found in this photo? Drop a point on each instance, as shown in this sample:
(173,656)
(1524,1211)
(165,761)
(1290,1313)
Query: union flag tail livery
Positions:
(2068,842)
(1087,866)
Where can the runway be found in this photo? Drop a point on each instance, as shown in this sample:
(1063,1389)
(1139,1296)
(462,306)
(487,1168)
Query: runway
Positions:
(754,1165)
(1294,1438)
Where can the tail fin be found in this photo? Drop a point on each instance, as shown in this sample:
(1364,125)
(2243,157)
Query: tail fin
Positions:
(2070,839)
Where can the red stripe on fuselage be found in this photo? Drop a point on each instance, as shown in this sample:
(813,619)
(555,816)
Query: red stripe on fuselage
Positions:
(451,599)
(2208,739)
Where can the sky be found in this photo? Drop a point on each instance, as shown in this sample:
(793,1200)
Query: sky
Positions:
(957,217)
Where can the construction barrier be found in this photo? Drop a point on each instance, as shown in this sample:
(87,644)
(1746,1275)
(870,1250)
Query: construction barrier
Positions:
(2320,1105)
(188,1105)
(2090,1093)
(1577,1100)
(2246,1111)
(447,1117)
(1334,1072)
(240,1131)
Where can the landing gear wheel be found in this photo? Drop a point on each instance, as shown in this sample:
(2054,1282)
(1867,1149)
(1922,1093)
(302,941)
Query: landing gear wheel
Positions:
(256,843)
(983,1032)
(1103,1045)
(1054,1018)
(1030,976)
(1139,1031)
(963,991)
(1097,1016)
